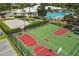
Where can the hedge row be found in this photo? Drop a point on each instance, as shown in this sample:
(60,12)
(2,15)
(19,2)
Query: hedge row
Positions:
(19,16)
(10,18)
(6,29)
(58,24)
(29,19)
(14,31)
(4,26)
(34,24)
(37,23)
(68,26)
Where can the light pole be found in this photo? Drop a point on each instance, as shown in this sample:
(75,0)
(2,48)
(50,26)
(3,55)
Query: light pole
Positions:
(24,15)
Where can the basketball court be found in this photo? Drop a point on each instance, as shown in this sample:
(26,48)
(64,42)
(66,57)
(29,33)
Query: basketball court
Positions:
(47,41)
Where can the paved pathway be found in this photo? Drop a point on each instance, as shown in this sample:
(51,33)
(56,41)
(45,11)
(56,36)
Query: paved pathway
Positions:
(6,49)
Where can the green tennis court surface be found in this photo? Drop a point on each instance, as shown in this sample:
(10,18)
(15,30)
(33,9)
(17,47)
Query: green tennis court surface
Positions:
(50,38)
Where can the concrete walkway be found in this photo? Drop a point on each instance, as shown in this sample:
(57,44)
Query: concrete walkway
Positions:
(6,49)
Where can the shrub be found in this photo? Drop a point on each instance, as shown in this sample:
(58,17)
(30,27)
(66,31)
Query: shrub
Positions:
(37,23)
(1,19)
(19,16)
(11,31)
(29,19)
(7,30)
(4,27)
(36,17)
(10,18)
(58,24)
(69,18)
(68,27)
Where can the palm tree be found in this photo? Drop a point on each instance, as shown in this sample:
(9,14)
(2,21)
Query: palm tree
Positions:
(22,6)
(41,10)
(5,7)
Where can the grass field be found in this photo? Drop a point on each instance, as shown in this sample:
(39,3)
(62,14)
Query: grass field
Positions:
(2,36)
(67,41)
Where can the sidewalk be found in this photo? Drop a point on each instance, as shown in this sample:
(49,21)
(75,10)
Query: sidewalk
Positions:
(6,49)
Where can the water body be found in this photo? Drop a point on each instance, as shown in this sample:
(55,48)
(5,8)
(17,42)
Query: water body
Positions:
(54,15)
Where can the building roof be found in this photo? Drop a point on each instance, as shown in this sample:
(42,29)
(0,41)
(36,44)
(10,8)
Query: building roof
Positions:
(53,7)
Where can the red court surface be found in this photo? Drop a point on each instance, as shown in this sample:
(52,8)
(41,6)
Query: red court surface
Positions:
(28,40)
(43,51)
(60,31)
(46,39)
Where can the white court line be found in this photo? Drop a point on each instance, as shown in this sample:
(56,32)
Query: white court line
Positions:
(75,51)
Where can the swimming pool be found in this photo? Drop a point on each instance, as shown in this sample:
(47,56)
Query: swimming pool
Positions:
(54,15)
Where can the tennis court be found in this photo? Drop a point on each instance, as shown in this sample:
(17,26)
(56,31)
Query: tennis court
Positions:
(48,40)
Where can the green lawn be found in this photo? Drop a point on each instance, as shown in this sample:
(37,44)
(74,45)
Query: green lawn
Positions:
(77,53)
(3,36)
(55,42)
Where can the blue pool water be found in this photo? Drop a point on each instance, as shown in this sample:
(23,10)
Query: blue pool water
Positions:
(54,15)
